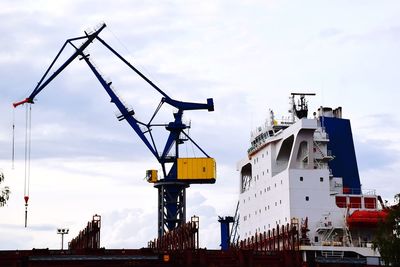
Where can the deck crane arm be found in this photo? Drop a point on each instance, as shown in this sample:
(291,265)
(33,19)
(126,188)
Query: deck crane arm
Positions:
(175,127)
(177,104)
(41,85)
(171,188)
(125,112)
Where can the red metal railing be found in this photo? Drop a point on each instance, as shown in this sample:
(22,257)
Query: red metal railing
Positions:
(88,237)
(184,237)
(281,238)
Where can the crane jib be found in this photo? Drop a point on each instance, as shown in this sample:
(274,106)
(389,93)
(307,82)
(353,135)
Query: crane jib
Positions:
(40,86)
(184,171)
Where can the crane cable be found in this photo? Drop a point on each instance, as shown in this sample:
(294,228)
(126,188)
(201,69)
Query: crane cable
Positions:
(28,124)
(13,141)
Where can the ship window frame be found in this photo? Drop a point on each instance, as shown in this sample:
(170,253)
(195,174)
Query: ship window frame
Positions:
(246,177)
(301,178)
(307,198)
(321,179)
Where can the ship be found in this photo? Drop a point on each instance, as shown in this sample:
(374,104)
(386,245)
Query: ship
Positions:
(302,172)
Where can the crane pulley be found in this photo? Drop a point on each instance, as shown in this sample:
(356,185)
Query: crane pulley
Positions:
(183,172)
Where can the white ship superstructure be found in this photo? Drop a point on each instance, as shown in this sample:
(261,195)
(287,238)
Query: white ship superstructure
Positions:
(304,169)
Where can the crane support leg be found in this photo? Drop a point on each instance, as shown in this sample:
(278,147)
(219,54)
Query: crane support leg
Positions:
(171,205)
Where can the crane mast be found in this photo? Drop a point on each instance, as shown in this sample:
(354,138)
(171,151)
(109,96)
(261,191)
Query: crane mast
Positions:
(184,171)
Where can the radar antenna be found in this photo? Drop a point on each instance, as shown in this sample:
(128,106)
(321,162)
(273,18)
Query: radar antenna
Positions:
(301,108)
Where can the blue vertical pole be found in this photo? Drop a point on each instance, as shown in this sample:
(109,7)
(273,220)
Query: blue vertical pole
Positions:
(225,233)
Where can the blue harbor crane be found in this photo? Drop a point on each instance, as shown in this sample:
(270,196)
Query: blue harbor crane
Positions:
(177,173)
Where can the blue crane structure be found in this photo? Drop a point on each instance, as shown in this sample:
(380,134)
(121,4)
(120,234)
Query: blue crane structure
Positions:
(171,188)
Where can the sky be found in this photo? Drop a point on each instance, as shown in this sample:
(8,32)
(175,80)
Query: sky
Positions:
(246,55)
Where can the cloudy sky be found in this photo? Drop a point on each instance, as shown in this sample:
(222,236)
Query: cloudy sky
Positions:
(247,55)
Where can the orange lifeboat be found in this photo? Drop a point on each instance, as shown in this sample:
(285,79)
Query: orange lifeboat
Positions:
(366,218)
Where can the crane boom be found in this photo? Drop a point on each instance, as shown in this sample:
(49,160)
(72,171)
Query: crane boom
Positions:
(125,113)
(40,86)
(171,188)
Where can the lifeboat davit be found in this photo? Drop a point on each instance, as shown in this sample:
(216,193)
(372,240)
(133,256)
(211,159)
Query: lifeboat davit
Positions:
(366,218)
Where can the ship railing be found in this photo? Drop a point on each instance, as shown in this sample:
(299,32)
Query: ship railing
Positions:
(332,254)
(314,165)
(321,135)
(285,120)
(369,192)
(186,236)
(351,191)
(282,165)
(325,225)
(358,191)
(282,238)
